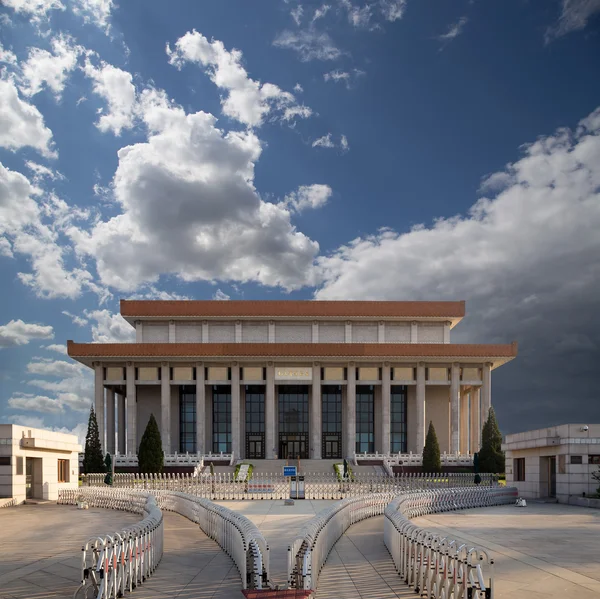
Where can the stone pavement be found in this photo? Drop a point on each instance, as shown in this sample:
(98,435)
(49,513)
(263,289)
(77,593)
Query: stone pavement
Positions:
(359,566)
(40,547)
(545,550)
(279,524)
(40,554)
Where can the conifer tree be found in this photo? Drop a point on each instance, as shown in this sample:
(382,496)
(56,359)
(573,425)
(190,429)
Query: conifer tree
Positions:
(491,456)
(150,454)
(431,452)
(93,462)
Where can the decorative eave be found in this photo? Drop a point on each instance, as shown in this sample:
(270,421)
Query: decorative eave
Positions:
(132,310)
(496,355)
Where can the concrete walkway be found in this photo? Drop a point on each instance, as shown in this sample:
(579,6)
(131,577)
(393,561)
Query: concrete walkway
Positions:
(542,551)
(40,554)
(279,524)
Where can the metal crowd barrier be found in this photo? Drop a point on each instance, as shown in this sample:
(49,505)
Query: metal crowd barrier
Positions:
(223,487)
(433,565)
(309,550)
(113,564)
(237,536)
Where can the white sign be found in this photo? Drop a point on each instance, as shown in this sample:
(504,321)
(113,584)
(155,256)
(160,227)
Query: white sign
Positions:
(242,473)
(293,373)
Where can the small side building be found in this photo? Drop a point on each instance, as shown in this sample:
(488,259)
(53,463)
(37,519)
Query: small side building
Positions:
(36,463)
(553,462)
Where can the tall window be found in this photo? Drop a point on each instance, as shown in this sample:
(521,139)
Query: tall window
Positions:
(187,418)
(398,419)
(222,418)
(519,469)
(293,409)
(332,408)
(63,471)
(255,409)
(365,436)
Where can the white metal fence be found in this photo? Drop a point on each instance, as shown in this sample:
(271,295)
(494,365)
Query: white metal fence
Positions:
(415,459)
(236,535)
(434,565)
(308,552)
(113,564)
(223,486)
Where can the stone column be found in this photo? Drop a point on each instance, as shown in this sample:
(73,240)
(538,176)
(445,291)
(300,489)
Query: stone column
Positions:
(420,419)
(200,409)
(464,422)
(131,410)
(122,430)
(165,407)
(99,402)
(316,414)
(475,420)
(386,397)
(486,393)
(110,421)
(351,410)
(235,409)
(270,412)
(454,409)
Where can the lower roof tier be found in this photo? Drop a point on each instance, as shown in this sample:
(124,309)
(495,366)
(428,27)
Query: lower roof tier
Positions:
(496,354)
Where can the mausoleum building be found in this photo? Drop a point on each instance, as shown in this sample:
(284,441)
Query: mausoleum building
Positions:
(313,379)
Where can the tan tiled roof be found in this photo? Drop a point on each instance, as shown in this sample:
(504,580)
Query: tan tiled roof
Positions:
(290,308)
(282,350)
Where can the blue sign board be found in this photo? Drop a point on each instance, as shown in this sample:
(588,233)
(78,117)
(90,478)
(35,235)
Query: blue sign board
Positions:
(289,471)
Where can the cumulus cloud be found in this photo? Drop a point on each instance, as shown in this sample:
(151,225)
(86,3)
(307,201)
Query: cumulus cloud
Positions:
(41,172)
(308,44)
(109,327)
(34,403)
(17,332)
(220,295)
(96,12)
(526,261)
(116,87)
(7,56)
(189,207)
(574,16)
(308,197)
(248,101)
(37,10)
(50,69)
(21,124)
(57,347)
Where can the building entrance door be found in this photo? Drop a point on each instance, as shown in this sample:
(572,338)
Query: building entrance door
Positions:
(293,446)
(332,446)
(255,446)
(552,476)
(28,478)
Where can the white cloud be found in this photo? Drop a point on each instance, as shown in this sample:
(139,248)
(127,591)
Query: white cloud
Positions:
(153,292)
(21,124)
(49,68)
(526,260)
(35,403)
(55,368)
(298,88)
(214,225)
(116,87)
(337,76)
(248,101)
(309,44)
(37,9)
(41,172)
(454,30)
(321,12)
(96,12)
(392,10)
(17,332)
(57,347)
(220,295)
(308,196)
(109,327)
(7,56)
(296,14)
(323,142)
(575,15)
(80,321)
(344,143)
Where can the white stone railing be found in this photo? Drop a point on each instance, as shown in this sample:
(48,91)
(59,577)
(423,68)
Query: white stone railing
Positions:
(309,550)
(414,459)
(130,460)
(433,565)
(236,535)
(113,564)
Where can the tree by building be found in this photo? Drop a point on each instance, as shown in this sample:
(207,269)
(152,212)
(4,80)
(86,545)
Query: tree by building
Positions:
(151,458)
(93,461)
(432,461)
(491,456)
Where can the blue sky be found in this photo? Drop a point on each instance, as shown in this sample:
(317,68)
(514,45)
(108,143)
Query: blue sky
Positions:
(391,149)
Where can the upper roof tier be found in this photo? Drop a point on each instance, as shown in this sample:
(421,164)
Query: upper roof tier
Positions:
(133,310)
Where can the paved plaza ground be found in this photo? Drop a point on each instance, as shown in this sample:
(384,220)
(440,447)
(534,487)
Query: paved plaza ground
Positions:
(545,550)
